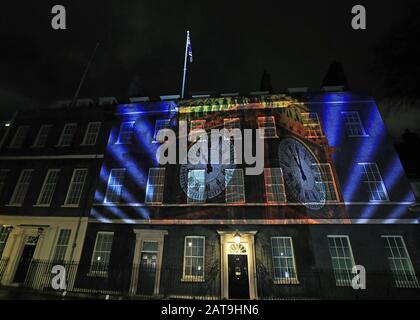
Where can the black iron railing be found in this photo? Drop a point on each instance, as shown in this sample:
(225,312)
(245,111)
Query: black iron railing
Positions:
(169,282)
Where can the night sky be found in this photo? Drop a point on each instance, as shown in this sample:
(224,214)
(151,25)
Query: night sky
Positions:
(142,46)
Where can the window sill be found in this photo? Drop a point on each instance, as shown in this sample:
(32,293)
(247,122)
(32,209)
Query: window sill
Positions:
(13,205)
(123,143)
(195,279)
(286,282)
(97,274)
(87,145)
(69,206)
(41,205)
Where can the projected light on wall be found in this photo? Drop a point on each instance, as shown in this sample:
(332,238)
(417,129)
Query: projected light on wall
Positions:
(353,129)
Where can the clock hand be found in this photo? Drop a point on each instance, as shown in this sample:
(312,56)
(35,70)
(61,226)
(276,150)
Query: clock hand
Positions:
(298,163)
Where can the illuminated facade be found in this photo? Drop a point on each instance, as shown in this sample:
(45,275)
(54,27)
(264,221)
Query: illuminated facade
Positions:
(332,195)
(274,235)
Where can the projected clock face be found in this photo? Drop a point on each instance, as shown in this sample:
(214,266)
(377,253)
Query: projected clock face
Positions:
(215,177)
(301,174)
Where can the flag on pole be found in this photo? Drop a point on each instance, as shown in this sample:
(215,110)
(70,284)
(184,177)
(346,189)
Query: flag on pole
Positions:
(189,48)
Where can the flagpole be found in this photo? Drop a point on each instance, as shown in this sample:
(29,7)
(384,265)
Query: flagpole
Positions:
(82,80)
(185,65)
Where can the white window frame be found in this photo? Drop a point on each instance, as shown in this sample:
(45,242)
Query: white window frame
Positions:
(264,119)
(19,135)
(369,182)
(99,273)
(66,204)
(192,278)
(4,236)
(95,133)
(43,189)
(401,283)
(312,125)
(358,122)
(338,281)
(228,185)
(290,280)
(38,136)
(269,185)
(63,133)
(58,245)
(148,186)
(108,188)
(198,124)
(202,187)
(12,202)
(226,125)
(328,184)
(159,125)
(132,126)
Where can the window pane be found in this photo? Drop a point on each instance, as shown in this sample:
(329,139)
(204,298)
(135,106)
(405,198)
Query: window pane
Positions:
(283,260)
(235,189)
(21,188)
(155,185)
(194,258)
(102,252)
(275,191)
(42,136)
(48,187)
(126,132)
(342,259)
(400,262)
(20,137)
(353,124)
(196,186)
(268,124)
(67,135)
(76,187)
(92,133)
(61,246)
(373,182)
(115,186)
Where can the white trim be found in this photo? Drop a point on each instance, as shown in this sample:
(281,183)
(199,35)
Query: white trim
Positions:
(351,256)
(66,204)
(141,236)
(109,179)
(100,273)
(359,122)
(10,204)
(248,241)
(35,144)
(284,281)
(76,156)
(191,278)
(131,133)
(87,131)
(382,182)
(43,188)
(60,141)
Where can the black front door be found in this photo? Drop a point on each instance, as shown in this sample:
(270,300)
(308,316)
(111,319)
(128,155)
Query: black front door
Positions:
(147,273)
(24,262)
(238,277)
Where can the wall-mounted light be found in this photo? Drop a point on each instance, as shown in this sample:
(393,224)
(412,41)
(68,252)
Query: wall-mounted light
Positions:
(7,124)
(237,238)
